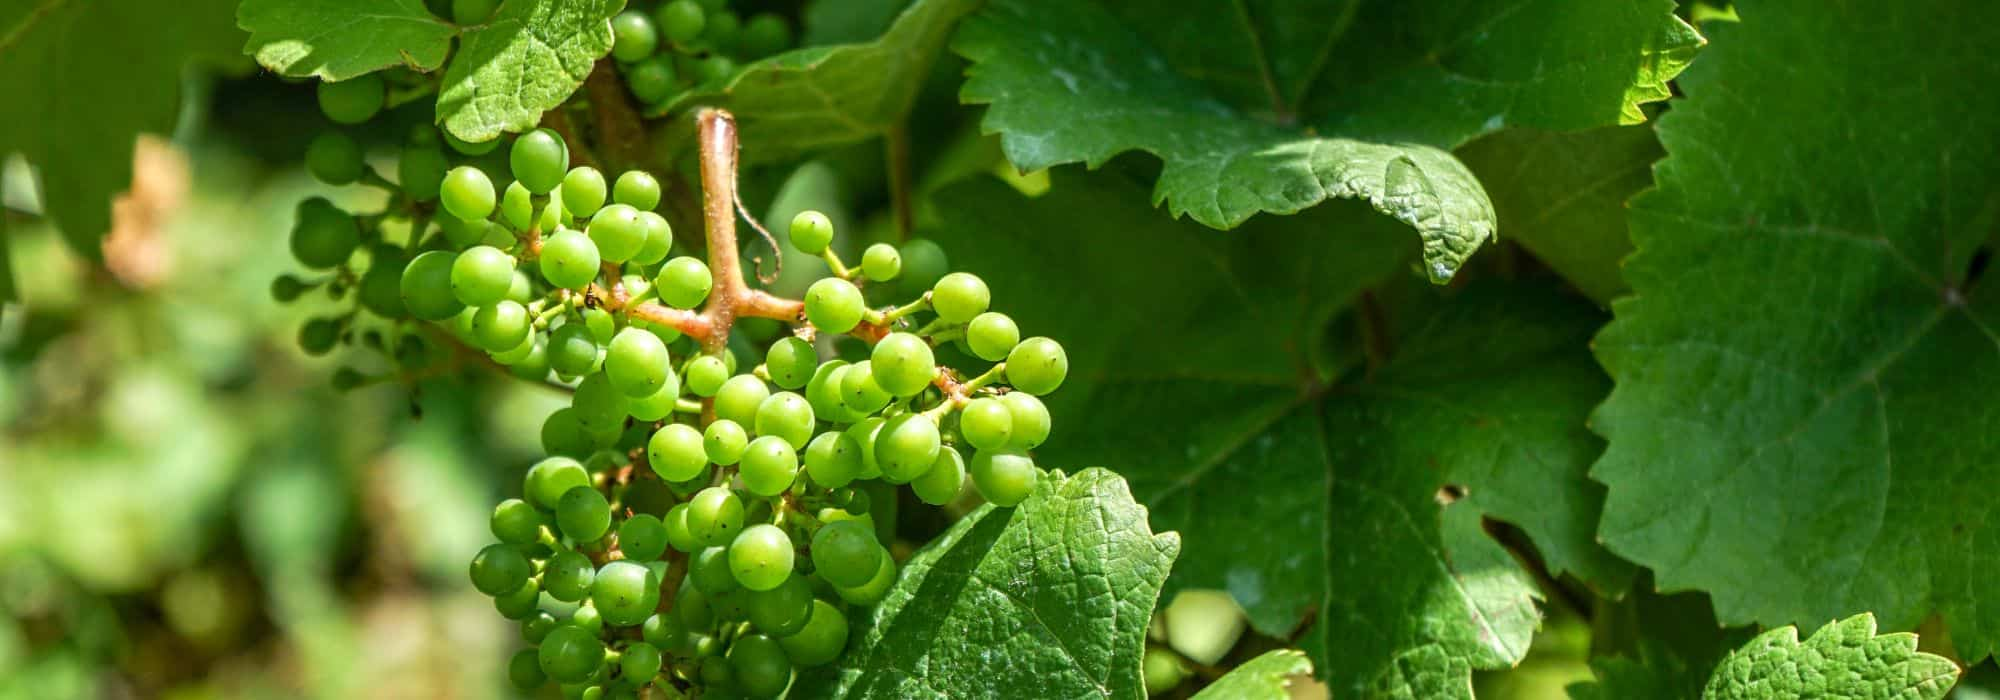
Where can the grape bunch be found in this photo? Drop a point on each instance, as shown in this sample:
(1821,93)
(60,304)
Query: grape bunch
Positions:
(682,44)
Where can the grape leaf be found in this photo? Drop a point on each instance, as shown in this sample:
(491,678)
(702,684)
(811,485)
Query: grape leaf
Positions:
(1312,491)
(1844,659)
(76,113)
(824,96)
(1266,676)
(1276,109)
(1802,423)
(526,61)
(341,39)
(1561,195)
(1049,599)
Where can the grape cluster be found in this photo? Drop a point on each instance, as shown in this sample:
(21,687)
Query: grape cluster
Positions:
(683,44)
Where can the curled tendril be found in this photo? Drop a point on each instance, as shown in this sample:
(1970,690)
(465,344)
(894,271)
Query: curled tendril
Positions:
(758,260)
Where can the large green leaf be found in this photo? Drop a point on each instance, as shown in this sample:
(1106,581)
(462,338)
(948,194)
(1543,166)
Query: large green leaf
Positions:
(1803,423)
(1562,196)
(526,61)
(1047,600)
(82,79)
(1277,106)
(1197,367)
(1266,676)
(1844,659)
(340,39)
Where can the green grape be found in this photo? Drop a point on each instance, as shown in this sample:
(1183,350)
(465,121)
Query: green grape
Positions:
(902,364)
(782,611)
(537,627)
(539,160)
(833,459)
(571,655)
(525,670)
(761,557)
(715,515)
(461,233)
(705,375)
(739,398)
(906,447)
(599,405)
(553,215)
(859,390)
(467,193)
(677,530)
(420,171)
(550,478)
(520,290)
(676,452)
(286,288)
(723,29)
(765,34)
(1031,420)
(571,350)
(467,12)
(714,69)
(602,326)
(1004,477)
(618,233)
(583,188)
(569,259)
(875,589)
(681,21)
(769,466)
(637,189)
(791,362)
(719,678)
(520,604)
(517,206)
(1037,366)
(633,36)
(691,604)
(881,262)
(845,553)
(942,482)
(960,296)
(563,434)
(667,632)
(515,522)
(785,415)
(992,335)
(470,148)
(924,263)
(346,378)
(659,239)
(482,275)
(823,392)
(660,404)
(864,433)
(567,576)
(642,538)
(651,80)
(319,335)
(625,592)
(1163,670)
(724,442)
(422,135)
(498,569)
(354,100)
(709,571)
(641,661)
(426,286)
(324,236)
(587,617)
(821,640)
(334,158)
(583,514)
(637,362)
(811,232)
(683,282)
(986,423)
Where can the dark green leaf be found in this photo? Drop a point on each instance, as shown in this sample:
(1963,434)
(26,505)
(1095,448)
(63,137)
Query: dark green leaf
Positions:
(1266,676)
(1562,196)
(1844,659)
(1648,646)
(523,63)
(340,39)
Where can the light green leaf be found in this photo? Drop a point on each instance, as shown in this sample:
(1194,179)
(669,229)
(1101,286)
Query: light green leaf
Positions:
(1803,419)
(1844,659)
(1046,600)
(1561,195)
(1279,107)
(341,39)
(76,113)
(1266,676)
(526,61)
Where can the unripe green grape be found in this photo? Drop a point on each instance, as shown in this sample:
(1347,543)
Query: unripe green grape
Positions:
(821,640)
(571,655)
(470,148)
(617,232)
(715,516)
(681,21)
(791,362)
(660,404)
(761,557)
(691,604)
(467,12)
(334,158)
(481,275)
(539,160)
(583,190)
(587,617)
(637,363)
(833,460)
(782,611)
(637,189)
(1031,420)
(517,206)
(569,259)
(739,398)
(986,423)
(881,262)
(875,589)
(960,296)
(666,632)
(498,569)
(550,478)
(521,603)
(600,323)
(599,405)
(633,36)
(524,670)
(1163,670)
(381,289)
(678,535)
(760,665)
(683,282)
(859,390)
(467,193)
(571,349)
(515,522)
(708,570)
(1038,365)
(765,34)
(538,626)
(420,172)
(1004,477)
(346,379)
(640,661)
(811,232)
(769,466)
(924,263)
(785,415)
(845,553)
(285,288)
(625,592)
(941,483)
(426,286)
(553,214)
(724,28)
(651,80)
(642,537)
(705,375)
(902,364)
(563,434)
(318,336)
(493,329)
(864,433)
(354,100)
(583,514)
(724,441)
(714,69)
(823,392)
(906,447)
(676,452)
(659,238)
(567,576)
(992,335)
(324,236)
